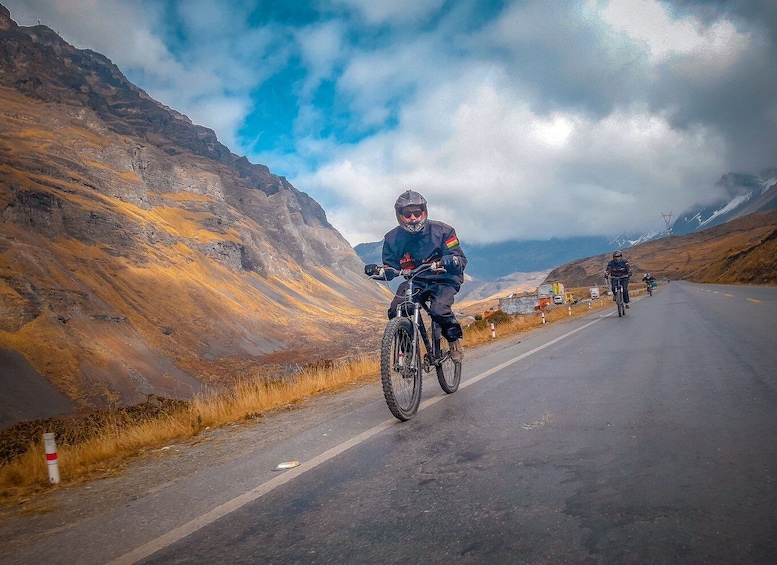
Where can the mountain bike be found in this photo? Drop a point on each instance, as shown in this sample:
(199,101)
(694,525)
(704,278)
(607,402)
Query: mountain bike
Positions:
(619,282)
(650,289)
(401,363)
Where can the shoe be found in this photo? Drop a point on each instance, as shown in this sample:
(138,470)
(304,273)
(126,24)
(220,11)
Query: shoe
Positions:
(614,299)
(457,350)
(627,305)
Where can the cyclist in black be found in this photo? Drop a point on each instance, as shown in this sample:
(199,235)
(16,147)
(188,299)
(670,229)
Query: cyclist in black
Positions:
(418,240)
(619,267)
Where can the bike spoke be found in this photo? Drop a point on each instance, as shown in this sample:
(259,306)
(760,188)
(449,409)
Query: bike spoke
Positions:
(400,369)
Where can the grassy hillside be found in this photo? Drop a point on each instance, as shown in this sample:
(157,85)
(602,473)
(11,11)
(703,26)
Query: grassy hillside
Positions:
(125,271)
(742,251)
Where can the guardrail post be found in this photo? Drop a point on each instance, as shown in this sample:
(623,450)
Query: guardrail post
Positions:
(51,457)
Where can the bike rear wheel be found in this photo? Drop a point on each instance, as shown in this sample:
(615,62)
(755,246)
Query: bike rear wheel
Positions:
(448,370)
(400,369)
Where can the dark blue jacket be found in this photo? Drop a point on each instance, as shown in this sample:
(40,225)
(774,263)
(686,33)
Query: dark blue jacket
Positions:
(618,268)
(405,250)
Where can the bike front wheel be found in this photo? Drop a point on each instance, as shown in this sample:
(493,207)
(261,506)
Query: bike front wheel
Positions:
(400,369)
(621,305)
(448,370)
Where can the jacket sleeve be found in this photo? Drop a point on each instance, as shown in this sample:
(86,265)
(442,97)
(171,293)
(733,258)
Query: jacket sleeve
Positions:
(389,257)
(451,246)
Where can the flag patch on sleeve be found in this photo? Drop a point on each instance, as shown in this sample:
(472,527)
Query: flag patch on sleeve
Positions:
(452,242)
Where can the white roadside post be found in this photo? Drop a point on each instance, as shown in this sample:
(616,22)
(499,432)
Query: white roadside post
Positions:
(543,317)
(51,457)
(493,332)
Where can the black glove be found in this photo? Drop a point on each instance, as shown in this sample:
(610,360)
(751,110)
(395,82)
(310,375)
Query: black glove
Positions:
(371,270)
(450,263)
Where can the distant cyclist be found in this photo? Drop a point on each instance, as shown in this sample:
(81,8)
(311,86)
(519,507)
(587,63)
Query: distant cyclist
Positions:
(649,279)
(414,241)
(619,267)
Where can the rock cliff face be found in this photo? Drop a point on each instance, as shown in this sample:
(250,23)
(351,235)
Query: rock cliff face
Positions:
(138,254)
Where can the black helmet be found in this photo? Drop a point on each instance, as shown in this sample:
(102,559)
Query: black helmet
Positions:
(617,254)
(413,200)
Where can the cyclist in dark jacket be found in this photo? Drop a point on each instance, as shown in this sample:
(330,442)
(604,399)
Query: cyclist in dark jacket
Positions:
(418,240)
(619,267)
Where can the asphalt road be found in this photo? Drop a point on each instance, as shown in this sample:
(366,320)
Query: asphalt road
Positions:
(643,439)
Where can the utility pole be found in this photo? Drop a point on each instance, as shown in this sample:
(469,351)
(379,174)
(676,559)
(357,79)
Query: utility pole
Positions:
(668,219)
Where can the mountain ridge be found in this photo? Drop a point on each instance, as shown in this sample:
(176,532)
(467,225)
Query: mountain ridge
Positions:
(743,194)
(740,251)
(139,256)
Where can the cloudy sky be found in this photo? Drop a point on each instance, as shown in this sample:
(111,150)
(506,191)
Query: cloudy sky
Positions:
(517,119)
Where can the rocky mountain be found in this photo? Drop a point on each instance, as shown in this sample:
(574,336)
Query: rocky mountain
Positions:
(491,262)
(742,194)
(742,250)
(139,255)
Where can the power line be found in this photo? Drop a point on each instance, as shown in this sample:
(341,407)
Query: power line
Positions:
(668,219)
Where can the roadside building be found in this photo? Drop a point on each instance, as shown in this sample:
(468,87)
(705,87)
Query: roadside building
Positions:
(529,302)
(520,303)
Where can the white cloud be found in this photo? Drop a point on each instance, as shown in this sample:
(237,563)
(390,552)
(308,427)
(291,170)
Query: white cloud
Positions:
(651,23)
(556,118)
(322,48)
(495,176)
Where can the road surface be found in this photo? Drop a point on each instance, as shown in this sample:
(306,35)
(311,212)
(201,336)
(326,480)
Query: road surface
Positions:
(643,439)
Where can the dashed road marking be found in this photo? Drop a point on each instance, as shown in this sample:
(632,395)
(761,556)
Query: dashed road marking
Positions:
(177,534)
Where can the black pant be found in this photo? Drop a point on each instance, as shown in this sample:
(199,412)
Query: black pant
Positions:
(441,300)
(625,284)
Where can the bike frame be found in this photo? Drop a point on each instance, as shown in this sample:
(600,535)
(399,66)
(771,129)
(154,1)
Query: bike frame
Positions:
(404,333)
(617,285)
(618,281)
(411,308)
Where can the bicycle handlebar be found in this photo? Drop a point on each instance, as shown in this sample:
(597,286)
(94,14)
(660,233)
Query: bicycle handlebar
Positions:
(410,273)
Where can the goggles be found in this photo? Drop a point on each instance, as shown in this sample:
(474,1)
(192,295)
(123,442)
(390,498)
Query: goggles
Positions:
(416,213)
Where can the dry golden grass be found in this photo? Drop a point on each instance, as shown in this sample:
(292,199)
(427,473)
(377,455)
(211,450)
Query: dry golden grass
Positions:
(505,325)
(104,451)
(114,440)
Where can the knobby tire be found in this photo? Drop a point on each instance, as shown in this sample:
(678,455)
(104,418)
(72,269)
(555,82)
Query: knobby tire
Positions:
(621,306)
(400,369)
(448,370)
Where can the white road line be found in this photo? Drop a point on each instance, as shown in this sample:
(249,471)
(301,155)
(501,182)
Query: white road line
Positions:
(222,510)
